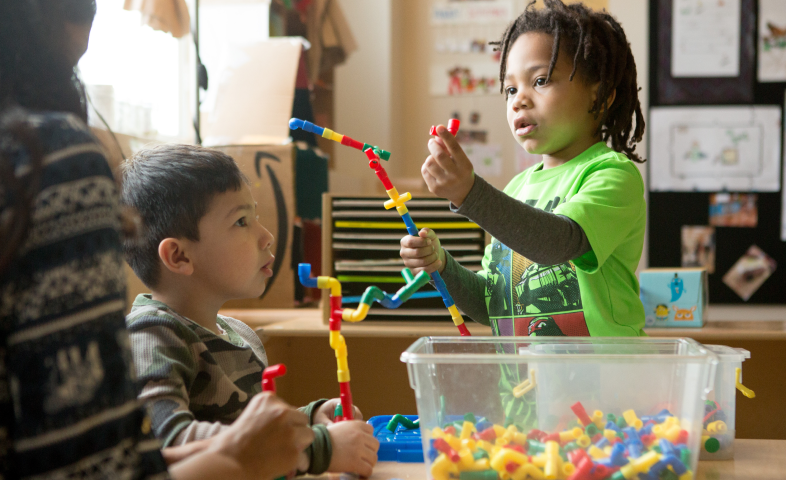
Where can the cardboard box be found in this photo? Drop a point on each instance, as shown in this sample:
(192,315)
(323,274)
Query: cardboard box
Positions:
(271,172)
(674,297)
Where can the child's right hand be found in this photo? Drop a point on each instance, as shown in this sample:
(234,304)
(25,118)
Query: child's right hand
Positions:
(423,252)
(266,439)
(354,447)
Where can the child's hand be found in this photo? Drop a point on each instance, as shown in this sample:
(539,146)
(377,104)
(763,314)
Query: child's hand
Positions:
(267,439)
(354,447)
(447,171)
(423,252)
(324,413)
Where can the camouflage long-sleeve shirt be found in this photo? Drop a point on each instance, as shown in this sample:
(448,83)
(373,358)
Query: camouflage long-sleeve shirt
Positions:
(195,382)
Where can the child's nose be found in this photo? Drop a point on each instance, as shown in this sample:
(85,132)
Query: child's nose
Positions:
(265,238)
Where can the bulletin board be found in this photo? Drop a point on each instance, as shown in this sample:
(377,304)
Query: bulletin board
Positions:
(745,89)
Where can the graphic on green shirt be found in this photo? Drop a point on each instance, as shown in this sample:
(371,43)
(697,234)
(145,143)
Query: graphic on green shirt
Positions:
(596,293)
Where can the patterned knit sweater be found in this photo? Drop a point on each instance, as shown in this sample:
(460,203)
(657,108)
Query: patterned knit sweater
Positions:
(196,382)
(68,402)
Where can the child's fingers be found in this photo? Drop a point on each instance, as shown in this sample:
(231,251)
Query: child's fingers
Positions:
(453,148)
(434,167)
(411,241)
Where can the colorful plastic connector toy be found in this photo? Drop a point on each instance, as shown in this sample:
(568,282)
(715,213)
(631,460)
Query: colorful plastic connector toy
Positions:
(374,154)
(470,450)
(269,377)
(337,342)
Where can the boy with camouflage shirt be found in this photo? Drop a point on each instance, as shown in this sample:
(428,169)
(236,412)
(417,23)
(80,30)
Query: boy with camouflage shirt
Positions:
(201,245)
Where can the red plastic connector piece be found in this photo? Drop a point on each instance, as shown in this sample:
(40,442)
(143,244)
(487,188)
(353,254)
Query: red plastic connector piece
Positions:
(682,438)
(536,434)
(441,445)
(511,467)
(488,434)
(380,171)
(453,126)
(351,142)
(269,377)
(516,447)
(578,409)
(464,331)
(451,430)
(601,472)
(347,410)
(433,130)
(583,469)
(551,437)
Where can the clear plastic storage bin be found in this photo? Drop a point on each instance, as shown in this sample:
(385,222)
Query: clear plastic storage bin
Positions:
(551,407)
(717,441)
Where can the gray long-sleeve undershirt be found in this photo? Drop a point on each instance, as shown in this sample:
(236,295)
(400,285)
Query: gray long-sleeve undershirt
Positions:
(543,237)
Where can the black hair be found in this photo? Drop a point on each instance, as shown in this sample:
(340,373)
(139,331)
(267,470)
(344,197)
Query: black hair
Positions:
(35,75)
(171,188)
(601,54)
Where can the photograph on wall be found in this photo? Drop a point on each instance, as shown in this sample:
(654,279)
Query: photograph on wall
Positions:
(715,148)
(772,41)
(734,210)
(750,272)
(698,247)
(705,38)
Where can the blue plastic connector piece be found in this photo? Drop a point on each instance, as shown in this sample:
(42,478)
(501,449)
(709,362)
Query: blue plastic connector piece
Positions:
(411,228)
(439,284)
(304,274)
(295,123)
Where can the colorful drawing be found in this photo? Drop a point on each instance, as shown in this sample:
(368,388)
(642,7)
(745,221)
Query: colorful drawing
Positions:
(662,312)
(772,41)
(677,288)
(684,314)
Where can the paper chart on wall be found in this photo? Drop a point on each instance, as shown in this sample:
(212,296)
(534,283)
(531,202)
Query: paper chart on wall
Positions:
(486,159)
(772,41)
(714,149)
(705,38)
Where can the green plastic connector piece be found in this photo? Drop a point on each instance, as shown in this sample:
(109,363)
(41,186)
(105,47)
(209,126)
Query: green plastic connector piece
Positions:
(685,456)
(612,418)
(618,476)
(622,423)
(408,275)
(667,474)
(482,475)
(383,154)
(535,447)
(712,445)
(480,454)
(657,449)
(591,430)
(372,293)
(338,411)
(569,447)
(470,417)
(399,419)
(366,146)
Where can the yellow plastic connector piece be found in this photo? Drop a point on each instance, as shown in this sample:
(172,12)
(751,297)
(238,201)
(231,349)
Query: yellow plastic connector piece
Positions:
(640,465)
(598,419)
(521,389)
(466,430)
(338,344)
(331,283)
(355,315)
(505,456)
(742,388)
(455,315)
(551,469)
(718,426)
(596,453)
(569,435)
(331,135)
(443,468)
(527,470)
(397,200)
(632,419)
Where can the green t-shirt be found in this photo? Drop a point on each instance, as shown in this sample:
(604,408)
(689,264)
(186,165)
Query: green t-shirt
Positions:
(596,294)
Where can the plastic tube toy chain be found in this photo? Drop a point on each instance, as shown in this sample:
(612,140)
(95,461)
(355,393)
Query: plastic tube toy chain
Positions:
(373,154)
(337,342)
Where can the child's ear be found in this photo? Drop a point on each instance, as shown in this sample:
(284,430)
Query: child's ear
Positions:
(171,251)
(609,101)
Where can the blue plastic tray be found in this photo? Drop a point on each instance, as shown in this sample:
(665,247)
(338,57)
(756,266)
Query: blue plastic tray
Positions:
(402,446)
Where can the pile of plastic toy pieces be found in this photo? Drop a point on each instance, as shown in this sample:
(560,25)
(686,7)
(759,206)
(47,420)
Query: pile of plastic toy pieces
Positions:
(602,447)
(715,438)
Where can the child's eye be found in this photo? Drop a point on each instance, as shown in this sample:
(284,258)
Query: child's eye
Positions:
(540,81)
(510,91)
(241,222)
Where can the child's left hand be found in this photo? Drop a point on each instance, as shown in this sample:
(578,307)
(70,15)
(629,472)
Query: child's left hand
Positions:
(447,171)
(324,413)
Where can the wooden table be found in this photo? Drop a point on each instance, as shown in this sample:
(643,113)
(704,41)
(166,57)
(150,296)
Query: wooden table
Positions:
(380,384)
(753,460)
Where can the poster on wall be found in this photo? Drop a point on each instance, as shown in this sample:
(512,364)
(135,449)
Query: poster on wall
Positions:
(486,159)
(715,148)
(705,38)
(772,41)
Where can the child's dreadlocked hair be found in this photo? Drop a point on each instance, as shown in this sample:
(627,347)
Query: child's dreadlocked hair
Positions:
(601,54)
